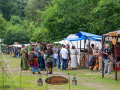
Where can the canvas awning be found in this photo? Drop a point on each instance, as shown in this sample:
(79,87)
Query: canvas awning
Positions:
(73,39)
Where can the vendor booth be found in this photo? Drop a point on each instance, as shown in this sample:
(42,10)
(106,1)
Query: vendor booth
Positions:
(113,37)
(84,41)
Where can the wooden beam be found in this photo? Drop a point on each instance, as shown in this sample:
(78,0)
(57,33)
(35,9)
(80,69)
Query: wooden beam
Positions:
(102,58)
(115,63)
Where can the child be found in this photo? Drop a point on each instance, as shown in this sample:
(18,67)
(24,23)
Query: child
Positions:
(55,56)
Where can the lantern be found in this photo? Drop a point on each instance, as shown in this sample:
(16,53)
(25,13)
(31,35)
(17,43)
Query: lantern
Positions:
(40,82)
(74,81)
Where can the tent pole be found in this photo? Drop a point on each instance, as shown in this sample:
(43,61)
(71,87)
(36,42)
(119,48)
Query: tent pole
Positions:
(84,52)
(102,59)
(115,63)
(80,49)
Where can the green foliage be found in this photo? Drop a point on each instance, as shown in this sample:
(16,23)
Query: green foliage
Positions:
(12,7)
(53,20)
(15,20)
(2,26)
(16,33)
(34,10)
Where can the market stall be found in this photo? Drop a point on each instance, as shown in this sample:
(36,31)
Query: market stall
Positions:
(113,37)
(85,39)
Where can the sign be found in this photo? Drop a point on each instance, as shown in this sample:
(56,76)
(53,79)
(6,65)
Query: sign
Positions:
(114,41)
(113,33)
(57,80)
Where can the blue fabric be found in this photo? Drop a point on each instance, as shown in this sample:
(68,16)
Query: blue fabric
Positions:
(45,64)
(64,64)
(90,35)
(58,63)
(34,69)
(40,62)
(54,62)
(16,55)
(91,61)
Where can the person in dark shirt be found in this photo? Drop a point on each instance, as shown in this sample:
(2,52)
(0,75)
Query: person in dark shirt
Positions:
(59,57)
(16,53)
(38,53)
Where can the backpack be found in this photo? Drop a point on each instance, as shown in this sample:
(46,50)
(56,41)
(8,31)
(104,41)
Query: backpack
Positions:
(31,56)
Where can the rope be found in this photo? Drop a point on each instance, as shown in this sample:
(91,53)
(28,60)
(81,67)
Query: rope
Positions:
(9,69)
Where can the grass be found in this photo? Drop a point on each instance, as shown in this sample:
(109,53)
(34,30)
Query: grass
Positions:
(86,80)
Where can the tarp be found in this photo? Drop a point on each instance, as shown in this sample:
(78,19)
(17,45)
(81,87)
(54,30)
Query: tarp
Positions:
(83,34)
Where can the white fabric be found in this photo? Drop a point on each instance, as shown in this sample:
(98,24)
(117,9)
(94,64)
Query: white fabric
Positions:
(55,56)
(73,58)
(64,52)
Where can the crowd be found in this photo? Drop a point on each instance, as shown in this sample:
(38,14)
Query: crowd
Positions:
(15,52)
(40,60)
(107,56)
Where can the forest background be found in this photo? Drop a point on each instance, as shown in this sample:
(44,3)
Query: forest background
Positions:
(52,20)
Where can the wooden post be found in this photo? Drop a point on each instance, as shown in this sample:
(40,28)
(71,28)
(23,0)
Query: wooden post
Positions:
(102,58)
(115,63)
(80,50)
(84,52)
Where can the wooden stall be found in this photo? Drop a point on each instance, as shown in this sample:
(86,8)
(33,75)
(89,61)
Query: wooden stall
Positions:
(84,54)
(113,37)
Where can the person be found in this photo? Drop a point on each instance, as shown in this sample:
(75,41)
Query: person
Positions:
(29,48)
(55,49)
(11,52)
(34,62)
(73,58)
(59,60)
(96,52)
(118,52)
(16,53)
(38,53)
(108,56)
(24,62)
(68,48)
(49,58)
(45,52)
(55,56)
(64,56)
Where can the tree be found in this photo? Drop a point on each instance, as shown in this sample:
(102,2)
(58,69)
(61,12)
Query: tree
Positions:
(16,33)
(65,17)
(12,7)
(106,16)
(2,26)
(34,10)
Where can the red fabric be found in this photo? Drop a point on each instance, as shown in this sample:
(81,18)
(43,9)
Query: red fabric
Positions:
(118,51)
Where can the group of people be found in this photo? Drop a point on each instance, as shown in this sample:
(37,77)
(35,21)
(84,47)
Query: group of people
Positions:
(49,58)
(15,52)
(107,55)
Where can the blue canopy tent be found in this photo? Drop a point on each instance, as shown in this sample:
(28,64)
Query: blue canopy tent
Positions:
(81,34)
(84,56)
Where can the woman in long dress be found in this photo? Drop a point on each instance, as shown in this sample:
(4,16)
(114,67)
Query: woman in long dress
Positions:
(73,58)
(24,62)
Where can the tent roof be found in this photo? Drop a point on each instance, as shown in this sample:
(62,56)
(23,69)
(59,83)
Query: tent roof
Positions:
(85,34)
(107,34)
(73,39)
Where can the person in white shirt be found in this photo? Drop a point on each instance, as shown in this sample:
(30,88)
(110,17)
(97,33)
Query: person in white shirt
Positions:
(64,56)
(55,56)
